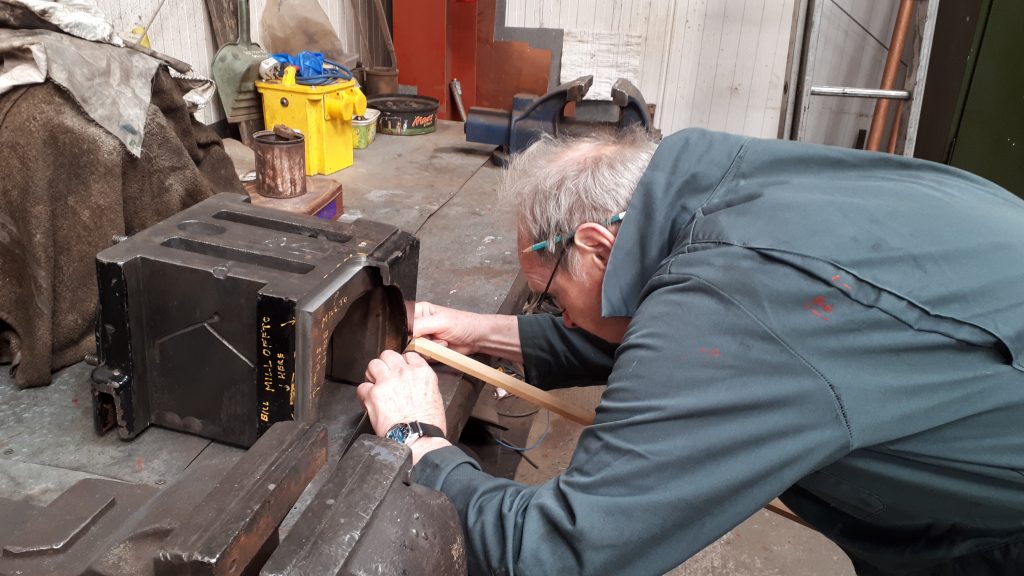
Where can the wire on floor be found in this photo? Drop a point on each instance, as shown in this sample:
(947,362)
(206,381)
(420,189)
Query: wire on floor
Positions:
(518,414)
(547,427)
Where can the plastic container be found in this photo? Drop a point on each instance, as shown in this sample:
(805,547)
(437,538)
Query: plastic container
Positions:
(366,129)
(323,114)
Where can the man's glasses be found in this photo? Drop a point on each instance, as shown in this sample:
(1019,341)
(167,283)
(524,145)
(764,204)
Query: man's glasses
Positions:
(538,305)
(564,240)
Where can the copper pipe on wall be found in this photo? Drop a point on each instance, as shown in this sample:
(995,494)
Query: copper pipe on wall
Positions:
(892,66)
(894,134)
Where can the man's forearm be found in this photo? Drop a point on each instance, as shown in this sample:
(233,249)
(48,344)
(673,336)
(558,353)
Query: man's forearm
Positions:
(499,336)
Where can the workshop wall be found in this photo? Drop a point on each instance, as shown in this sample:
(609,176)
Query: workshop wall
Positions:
(719,65)
(182,30)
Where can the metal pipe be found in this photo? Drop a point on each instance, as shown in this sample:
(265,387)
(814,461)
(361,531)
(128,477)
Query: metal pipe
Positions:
(895,132)
(859,92)
(457,99)
(892,66)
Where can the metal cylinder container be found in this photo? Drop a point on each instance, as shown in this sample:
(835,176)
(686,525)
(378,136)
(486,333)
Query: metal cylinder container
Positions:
(381,80)
(280,164)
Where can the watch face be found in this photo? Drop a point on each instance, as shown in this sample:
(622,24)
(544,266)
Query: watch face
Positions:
(399,432)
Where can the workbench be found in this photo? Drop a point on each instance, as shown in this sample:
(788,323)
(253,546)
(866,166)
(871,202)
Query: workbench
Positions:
(437,186)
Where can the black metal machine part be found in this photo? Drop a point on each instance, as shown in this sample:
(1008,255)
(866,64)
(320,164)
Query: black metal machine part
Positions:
(227,317)
(532,116)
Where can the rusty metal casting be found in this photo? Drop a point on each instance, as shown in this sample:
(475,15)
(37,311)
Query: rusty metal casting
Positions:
(218,518)
(403,528)
(221,518)
(232,524)
(226,318)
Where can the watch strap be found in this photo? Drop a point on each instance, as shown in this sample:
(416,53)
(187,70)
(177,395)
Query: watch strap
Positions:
(428,430)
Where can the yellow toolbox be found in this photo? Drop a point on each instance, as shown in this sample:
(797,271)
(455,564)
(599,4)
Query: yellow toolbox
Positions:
(322,113)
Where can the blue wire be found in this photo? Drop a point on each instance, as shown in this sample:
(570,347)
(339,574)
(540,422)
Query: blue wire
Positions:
(338,72)
(547,427)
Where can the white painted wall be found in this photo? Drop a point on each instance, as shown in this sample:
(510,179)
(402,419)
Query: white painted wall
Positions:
(182,30)
(718,64)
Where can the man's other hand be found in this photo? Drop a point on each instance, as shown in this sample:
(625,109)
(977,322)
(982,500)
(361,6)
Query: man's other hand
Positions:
(452,328)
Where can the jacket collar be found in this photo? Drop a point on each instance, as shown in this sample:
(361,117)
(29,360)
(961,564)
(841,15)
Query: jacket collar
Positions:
(682,174)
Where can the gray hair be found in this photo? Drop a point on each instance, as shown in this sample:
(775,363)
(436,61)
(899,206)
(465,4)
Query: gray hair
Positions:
(560,183)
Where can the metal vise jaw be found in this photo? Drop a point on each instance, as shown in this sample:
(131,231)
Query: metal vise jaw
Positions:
(533,116)
(228,317)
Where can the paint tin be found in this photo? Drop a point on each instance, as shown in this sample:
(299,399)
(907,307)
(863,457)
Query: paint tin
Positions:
(280,164)
(365,127)
(405,114)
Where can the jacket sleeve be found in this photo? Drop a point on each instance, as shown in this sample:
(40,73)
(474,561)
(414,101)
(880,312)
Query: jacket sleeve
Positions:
(707,417)
(558,357)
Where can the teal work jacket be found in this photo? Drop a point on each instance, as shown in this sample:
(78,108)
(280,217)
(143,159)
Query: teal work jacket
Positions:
(841,328)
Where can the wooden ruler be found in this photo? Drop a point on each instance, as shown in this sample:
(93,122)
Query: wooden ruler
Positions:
(499,379)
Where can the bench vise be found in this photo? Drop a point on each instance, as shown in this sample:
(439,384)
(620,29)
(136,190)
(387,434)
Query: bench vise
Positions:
(532,116)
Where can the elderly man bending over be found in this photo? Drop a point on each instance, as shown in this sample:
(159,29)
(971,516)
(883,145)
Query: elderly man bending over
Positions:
(839,328)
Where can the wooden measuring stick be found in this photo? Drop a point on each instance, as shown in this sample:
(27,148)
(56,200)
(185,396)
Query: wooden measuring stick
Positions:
(781,509)
(532,394)
(498,379)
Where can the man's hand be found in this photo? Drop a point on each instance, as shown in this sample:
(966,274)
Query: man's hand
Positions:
(403,388)
(452,328)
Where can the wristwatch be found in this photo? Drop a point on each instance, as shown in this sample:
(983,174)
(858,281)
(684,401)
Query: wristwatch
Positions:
(408,432)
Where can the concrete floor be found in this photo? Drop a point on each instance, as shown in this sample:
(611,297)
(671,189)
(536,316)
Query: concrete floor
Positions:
(763,545)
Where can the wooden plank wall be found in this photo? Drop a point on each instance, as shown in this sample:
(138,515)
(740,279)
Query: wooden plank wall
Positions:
(182,30)
(718,64)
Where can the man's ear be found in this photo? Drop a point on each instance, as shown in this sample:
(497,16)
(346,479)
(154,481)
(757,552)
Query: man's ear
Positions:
(594,242)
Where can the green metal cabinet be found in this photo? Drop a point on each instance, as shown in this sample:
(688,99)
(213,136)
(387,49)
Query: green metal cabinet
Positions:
(989,138)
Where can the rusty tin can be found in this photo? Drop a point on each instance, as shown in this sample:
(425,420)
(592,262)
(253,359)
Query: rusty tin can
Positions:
(280,164)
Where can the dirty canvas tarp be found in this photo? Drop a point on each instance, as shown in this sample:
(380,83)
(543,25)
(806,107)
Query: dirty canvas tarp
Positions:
(112,85)
(67,186)
(81,18)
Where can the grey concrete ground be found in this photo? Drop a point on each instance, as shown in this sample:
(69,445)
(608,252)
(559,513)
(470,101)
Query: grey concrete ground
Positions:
(763,545)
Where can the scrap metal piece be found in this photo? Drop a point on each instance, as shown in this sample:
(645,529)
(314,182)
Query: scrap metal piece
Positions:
(364,513)
(62,538)
(226,318)
(532,117)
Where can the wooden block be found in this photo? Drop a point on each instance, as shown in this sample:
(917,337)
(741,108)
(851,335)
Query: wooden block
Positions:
(320,192)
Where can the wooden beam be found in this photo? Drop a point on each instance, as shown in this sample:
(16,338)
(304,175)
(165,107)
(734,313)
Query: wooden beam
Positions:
(498,379)
(223,20)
